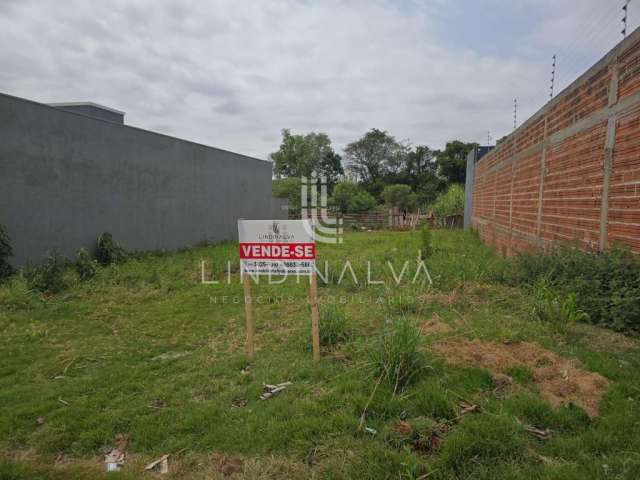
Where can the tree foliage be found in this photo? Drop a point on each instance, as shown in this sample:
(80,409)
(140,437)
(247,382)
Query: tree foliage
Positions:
(383,169)
(348,197)
(375,155)
(452,161)
(300,155)
(5,252)
(288,188)
(450,202)
(399,196)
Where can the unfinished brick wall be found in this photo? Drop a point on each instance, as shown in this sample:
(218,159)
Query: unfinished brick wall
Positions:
(572,171)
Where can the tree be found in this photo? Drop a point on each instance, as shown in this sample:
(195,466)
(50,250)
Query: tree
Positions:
(363,201)
(420,160)
(429,185)
(399,196)
(300,155)
(452,161)
(288,188)
(348,197)
(342,196)
(375,155)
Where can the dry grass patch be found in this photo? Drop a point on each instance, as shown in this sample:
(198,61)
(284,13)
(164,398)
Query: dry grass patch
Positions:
(561,381)
(434,325)
(604,340)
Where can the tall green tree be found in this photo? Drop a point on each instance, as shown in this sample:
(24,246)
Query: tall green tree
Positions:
(374,156)
(420,160)
(452,161)
(299,155)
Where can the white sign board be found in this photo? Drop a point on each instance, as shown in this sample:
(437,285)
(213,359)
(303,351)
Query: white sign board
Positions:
(276,247)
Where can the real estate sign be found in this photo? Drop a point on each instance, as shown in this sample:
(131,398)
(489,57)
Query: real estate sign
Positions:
(276,247)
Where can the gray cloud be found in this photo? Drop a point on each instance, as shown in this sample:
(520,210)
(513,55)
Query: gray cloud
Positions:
(233,74)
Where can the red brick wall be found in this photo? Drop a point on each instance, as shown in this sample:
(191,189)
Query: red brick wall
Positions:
(571,173)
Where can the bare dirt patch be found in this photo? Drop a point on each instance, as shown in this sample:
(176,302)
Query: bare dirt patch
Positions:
(561,381)
(434,325)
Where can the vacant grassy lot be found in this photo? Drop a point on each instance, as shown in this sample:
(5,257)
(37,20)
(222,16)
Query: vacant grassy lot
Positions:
(147,358)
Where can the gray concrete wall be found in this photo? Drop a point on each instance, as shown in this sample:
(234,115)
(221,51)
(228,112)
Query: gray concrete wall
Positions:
(92,110)
(472,158)
(67,177)
(468,188)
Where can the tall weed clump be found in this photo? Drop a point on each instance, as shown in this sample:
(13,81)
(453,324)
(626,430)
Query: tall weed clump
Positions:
(606,284)
(6,251)
(559,310)
(108,251)
(395,357)
(334,327)
(426,249)
(84,265)
(48,277)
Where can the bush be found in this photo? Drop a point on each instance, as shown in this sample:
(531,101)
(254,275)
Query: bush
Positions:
(606,285)
(348,197)
(48,277)
(363,201)
(108,251)
(450,202)
(426,250)
(334,328)
(5,252)
(395,357)
(85,266)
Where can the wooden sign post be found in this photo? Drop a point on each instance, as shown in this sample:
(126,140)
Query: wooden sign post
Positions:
(248,313)
(278,247)
(315,327)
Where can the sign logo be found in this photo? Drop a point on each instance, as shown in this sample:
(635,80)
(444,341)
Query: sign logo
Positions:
(325,229)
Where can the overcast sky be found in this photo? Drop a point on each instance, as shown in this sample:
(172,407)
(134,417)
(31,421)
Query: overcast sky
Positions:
(232,74)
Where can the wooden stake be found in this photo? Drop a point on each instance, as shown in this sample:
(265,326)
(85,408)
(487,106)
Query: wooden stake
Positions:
(248,313)
(315,329)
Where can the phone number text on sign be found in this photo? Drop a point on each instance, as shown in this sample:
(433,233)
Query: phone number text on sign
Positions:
(276,247)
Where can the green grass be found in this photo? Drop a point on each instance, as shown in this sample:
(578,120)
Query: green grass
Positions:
(145,350)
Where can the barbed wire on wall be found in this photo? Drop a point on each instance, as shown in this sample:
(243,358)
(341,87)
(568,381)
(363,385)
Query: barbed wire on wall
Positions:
(604,25)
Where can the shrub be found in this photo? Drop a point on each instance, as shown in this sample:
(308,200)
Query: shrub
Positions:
(5,252)
(334,328)
(426,250)
(48,277)
(108,251)
(395,357)
(348,197)
(450,202)
(85,266)
(605,285)
(363,201)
